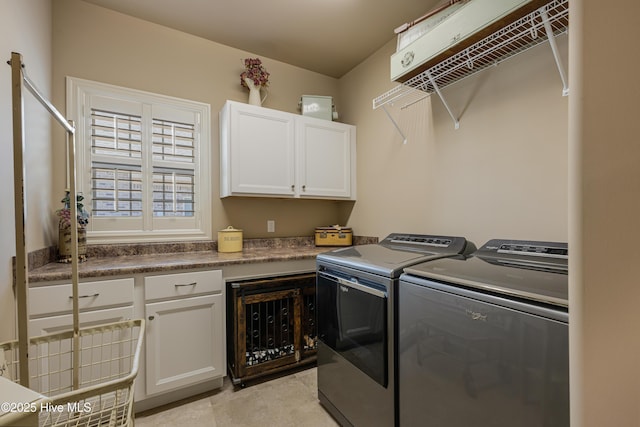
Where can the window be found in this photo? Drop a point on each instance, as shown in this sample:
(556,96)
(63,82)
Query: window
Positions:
(142,163)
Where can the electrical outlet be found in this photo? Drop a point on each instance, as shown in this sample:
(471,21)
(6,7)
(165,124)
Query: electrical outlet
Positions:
(271,226)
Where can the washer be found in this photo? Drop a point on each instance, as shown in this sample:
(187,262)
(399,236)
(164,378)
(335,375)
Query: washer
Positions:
(356,289)
(483,340)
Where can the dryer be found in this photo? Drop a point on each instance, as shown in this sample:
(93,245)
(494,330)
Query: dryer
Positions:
(483,339)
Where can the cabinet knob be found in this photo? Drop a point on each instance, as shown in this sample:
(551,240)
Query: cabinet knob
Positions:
(304,188)
(293,187)
(152,317)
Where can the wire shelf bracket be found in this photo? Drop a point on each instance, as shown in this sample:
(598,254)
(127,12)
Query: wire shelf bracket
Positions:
(434,84)
(404,138)
(554,48)
(517,37)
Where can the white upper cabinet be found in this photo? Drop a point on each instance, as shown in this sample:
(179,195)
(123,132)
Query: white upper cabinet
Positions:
(325,158)
(256,151)
(270,153)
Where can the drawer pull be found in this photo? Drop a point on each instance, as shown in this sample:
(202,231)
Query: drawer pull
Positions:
(87,296)
(186,284)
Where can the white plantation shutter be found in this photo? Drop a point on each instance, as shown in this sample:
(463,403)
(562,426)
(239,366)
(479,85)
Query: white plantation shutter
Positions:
(116,191)
(173,170)
(173,141)
(173,193)
(116,164)
(145,159)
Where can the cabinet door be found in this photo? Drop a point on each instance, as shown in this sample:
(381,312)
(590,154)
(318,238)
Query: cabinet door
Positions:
(261,149)
(185,342)
(325,159)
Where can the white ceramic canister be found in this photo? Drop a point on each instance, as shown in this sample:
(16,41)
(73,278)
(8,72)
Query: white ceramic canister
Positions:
(230,240)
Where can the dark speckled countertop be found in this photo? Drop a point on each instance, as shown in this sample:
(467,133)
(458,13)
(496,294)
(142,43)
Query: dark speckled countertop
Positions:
(116,260)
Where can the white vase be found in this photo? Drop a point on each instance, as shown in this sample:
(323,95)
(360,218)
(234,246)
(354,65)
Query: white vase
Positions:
(254,93)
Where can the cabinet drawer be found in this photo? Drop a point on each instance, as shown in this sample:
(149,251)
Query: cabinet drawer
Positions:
(64,322)
(182,284)
(54,299)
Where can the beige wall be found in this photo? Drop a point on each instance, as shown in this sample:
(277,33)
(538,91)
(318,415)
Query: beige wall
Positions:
(496,176)
(604,212)
(26,29)
(502,174)
(97,44)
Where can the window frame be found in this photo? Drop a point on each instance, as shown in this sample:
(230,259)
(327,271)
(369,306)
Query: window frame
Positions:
(149,228)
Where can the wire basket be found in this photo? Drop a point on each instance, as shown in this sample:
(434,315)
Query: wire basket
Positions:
(108,365)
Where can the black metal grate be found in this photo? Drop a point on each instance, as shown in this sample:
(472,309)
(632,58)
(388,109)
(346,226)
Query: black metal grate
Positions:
(309,328)
(270,330)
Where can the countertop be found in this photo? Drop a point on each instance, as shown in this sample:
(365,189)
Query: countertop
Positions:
(118,260)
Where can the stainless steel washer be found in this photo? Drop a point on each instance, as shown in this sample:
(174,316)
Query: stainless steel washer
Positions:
(483,340)
(356,289)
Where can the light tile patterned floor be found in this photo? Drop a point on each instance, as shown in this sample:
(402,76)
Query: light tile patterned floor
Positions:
(291,400)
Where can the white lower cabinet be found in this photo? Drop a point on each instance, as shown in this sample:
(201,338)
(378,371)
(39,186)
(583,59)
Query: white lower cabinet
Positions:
(185,335)
(184,351)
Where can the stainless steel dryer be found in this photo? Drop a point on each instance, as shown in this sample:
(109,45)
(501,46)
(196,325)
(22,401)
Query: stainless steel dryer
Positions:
(356,289)
(483,340)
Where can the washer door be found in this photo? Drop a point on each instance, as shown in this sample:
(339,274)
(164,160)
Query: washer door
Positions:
(352,320)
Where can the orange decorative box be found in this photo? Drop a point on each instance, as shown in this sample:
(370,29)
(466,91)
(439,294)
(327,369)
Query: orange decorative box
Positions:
(334,236)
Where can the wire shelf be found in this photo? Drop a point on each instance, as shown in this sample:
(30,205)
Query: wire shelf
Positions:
(529,31)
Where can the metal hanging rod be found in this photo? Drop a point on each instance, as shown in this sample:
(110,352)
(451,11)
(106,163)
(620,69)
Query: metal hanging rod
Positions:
(18,80)
(551,20)
(44,101)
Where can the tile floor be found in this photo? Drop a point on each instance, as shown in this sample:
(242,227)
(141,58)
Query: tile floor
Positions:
(290,400)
